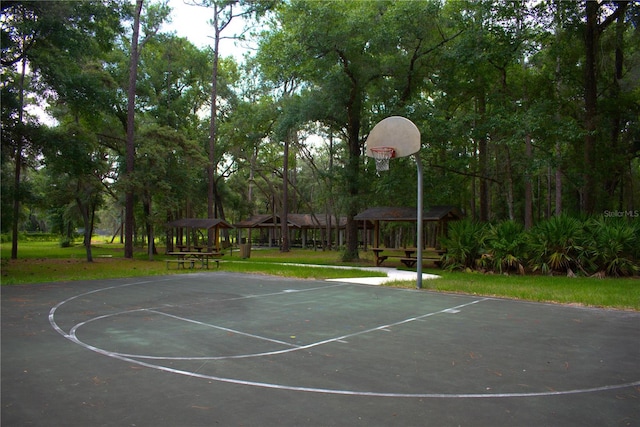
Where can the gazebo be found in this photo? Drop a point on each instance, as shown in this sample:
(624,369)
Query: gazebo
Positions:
(295,221)
(186,236)
(435,218)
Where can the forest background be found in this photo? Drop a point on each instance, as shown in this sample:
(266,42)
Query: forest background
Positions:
(528,110)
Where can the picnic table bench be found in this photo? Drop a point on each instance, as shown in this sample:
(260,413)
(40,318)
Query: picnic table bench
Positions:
(192,258)
(180,262)
(408,259)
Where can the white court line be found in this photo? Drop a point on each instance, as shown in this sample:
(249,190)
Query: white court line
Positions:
(72,334)
(72,337)
(355,392)
(60,304)
(341,339)
(250,296)
(222,328)
(168,279)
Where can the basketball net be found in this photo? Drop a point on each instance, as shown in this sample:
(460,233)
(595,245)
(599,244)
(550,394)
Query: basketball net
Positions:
(382,156)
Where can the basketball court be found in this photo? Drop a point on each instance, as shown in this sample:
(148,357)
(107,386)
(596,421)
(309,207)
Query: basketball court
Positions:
(217,348)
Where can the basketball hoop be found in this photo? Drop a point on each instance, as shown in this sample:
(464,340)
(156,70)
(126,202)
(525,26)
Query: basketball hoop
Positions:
(382,156)
(392,137)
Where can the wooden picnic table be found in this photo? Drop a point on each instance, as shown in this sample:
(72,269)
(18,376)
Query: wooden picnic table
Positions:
(185,248)
(409,259)
(377,255)
(380,258)
(190,257)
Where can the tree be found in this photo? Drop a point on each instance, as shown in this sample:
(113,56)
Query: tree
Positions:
(357,62)
(131,150)
(77,166)
(171,92)
(164,159)
(498,90)
(22,40)
(55,41)
(224,11)
(592,34)
(325,47)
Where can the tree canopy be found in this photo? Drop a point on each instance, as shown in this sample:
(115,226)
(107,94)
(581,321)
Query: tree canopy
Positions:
(527,110)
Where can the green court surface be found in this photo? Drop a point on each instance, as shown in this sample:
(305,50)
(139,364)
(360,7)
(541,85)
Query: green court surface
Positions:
(228,349)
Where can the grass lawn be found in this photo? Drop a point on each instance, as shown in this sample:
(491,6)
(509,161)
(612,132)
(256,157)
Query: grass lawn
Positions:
(40,262)
(47,262)
(609,292)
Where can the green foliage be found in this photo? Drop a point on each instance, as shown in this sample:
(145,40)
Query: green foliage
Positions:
(465,244)
(478,78)
(610,246)
(561,244)
(506,246)
(554,245)
(31,237)
(65,242)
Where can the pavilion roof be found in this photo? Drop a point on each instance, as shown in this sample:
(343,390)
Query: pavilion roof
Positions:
(309,221)
(205,223)
(435,213)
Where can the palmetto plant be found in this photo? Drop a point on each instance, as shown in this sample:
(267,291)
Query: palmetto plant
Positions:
(506,243)
(554,245)
(610,246)
(464,244)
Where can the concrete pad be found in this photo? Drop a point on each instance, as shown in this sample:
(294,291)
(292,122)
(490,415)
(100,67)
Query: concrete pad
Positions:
(219,348)
(393,275)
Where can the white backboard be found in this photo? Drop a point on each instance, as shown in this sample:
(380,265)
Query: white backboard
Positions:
(397,132)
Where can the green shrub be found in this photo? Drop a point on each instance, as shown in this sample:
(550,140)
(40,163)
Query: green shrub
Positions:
(554,245)
(464,244)
(506,244)
(65,242)
(609,246)
(38,236)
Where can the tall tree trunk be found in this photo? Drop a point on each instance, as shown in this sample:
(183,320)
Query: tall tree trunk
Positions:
(509,174)
(18,156)
(93,220)
(528,186)
(149,226)
(558,176)
(353,175)
(616,178)
(84,212)
(252,169)
(219,213)
(483,158)
(549,207)
(330,210)
(284,214)
(213,127)
(590,103)
(130,156)
(593,30)
(169,233)
(558,85)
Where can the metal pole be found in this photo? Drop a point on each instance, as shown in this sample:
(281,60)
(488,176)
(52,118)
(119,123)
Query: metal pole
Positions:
(419,223)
